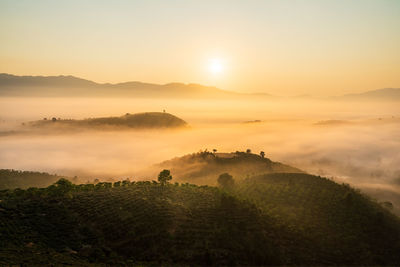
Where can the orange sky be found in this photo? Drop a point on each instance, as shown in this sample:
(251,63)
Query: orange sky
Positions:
(280,47)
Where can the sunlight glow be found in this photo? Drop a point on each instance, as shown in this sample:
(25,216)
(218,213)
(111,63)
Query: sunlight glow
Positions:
(215,66)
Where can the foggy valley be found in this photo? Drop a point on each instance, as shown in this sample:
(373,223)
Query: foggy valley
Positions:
(355,143)
(200,133)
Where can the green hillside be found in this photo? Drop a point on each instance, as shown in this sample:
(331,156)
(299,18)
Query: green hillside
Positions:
(132,223)
(136,121)
(337,224)
(272,219)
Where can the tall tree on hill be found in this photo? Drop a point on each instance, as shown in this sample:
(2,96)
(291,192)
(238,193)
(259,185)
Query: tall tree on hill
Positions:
(164,177)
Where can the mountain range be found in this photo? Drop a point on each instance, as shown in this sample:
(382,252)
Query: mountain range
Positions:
(70,86)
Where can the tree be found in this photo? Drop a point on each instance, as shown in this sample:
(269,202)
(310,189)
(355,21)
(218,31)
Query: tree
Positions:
(226,181)
(61,187)
(262,154)
(248,151)
(214,150)
(164,177)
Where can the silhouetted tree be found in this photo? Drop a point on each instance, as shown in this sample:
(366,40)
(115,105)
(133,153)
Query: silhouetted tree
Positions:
(164,177)
(248,151)
(53,119)
(262,154)
(214,150)
(61,187)
(126,182)
(226,181)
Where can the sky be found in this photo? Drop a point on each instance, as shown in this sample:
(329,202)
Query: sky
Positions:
(287,47)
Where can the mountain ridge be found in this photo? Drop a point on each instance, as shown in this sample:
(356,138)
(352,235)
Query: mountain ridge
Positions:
(15,85)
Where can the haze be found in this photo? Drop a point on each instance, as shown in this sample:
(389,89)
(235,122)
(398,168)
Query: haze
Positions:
(351,142)
(280,47)
(209,133)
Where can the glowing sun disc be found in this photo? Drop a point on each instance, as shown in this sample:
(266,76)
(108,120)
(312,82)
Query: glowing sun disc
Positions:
(215,66)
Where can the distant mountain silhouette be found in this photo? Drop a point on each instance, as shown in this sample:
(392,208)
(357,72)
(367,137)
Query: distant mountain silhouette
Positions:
(70,86)
(60,86)
(392,94)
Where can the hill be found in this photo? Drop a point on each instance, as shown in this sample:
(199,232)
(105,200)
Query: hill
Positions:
(70,86)
(335,224)
(272,219)
(136,121)
(132,223)
(10,179)
(204,167)
(386,94)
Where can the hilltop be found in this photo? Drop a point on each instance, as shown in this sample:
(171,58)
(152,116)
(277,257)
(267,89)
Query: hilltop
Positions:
(134,121)
(204,167)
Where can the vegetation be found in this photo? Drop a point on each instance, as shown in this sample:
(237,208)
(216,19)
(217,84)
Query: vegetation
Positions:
(271,219)
(204,167)
(139,120)
(132,223)
(332,224)
(10,179)
(164,177)
(226,181)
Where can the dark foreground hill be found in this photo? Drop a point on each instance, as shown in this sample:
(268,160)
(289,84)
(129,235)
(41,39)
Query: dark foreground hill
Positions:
(132,223)
(10,179)
(133,121)
(272,219)
(335,224)
(204,167)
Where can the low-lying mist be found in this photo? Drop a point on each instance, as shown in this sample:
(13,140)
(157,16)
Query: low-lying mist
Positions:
(353,143)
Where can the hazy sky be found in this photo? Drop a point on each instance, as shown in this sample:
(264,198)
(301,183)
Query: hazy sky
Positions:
(283,47)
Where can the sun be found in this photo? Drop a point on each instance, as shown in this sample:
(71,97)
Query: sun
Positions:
(215,66)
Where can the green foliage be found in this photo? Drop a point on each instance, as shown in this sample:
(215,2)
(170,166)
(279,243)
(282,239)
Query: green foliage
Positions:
(271,219)
(226,181)
(164,177)
(330,223)
(141,222)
